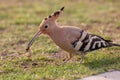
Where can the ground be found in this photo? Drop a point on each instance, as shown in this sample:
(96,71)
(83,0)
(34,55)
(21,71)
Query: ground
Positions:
(19,20)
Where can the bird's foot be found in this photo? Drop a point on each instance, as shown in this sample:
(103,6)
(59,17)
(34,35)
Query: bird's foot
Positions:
(65,61)
(83,59)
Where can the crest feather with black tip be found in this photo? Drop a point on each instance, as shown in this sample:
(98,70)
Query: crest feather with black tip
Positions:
(62,8)
(55,15)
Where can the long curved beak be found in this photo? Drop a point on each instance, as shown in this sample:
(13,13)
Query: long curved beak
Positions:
(33,39)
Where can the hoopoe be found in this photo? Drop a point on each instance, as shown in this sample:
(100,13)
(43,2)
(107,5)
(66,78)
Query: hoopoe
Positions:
(71,39)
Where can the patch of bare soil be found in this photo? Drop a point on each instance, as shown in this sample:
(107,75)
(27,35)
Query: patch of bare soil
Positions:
(9,56)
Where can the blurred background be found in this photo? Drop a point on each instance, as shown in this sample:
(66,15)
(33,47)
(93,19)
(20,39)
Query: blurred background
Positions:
(19,20)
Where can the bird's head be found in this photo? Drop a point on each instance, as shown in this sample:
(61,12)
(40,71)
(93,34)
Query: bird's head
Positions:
(46,26)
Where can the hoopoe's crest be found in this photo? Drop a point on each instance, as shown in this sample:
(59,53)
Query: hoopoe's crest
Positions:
(55,15)
(49,22)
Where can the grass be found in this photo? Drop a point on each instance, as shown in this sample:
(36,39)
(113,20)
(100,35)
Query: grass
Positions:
(19,20)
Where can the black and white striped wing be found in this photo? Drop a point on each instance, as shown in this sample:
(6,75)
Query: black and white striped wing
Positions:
(89,42)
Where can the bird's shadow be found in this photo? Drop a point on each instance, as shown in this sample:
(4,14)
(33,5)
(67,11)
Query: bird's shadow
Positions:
(102,63)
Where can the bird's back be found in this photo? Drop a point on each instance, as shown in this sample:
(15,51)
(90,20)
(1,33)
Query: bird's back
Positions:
(81,41)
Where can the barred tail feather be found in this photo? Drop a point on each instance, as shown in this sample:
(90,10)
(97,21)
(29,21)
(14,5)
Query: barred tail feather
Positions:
(113,44)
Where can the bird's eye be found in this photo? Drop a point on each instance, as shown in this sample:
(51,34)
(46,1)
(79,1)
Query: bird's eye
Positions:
(46,26)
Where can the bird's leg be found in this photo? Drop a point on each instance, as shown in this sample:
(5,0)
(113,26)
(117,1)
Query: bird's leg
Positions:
(82,58)
(69,57)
